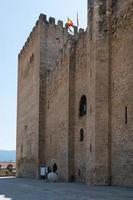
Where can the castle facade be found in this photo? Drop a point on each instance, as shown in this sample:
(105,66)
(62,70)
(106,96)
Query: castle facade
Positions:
(75,97)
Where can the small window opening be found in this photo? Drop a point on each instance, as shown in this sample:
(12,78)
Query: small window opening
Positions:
(81,134)
(91,73)
(26,127)
(126,120)
(21,148)
(90,147)
(83,106)
(48,104)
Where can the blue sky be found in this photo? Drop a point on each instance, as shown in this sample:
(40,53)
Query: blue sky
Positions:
(16,20)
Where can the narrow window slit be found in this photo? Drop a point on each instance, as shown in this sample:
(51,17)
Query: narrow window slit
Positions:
(126,115)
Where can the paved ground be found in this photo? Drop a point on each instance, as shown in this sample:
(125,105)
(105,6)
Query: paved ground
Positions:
(25,189)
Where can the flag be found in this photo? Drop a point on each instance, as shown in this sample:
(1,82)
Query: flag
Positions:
(77,20)
(69,22)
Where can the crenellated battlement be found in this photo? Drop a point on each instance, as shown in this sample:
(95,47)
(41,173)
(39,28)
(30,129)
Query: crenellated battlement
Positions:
(51,20)
(29,39)
(48,23)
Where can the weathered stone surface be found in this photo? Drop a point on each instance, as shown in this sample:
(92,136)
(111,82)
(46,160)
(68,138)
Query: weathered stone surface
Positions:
(55,70)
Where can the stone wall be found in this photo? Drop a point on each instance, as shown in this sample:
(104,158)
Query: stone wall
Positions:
(80,121)
(55,70)
(28,106)
(122,94)
(98,91)
(52,39)
(39,55)
(57,116)
(54,95)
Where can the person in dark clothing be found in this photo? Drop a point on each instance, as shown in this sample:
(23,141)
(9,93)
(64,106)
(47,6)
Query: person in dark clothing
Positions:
(54,168)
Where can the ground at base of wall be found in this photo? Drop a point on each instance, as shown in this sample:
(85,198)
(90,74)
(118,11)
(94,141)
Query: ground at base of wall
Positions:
(19,189)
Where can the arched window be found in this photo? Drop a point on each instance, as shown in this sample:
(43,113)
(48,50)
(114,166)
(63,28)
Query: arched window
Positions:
(81,134)
(83,106)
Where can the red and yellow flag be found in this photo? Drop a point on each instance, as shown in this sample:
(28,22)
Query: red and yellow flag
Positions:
(69,22)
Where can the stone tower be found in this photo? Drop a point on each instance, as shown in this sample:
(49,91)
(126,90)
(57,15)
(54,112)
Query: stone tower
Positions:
(75,97)
(98,62)
(109,63)
(39,58)
(122,92)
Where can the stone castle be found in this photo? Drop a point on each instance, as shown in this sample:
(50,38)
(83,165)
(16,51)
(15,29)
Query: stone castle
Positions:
(75,97)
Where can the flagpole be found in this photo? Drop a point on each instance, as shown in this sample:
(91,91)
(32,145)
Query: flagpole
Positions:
(77,21)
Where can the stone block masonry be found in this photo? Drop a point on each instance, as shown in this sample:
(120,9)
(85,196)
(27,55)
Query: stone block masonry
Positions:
(75,97)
